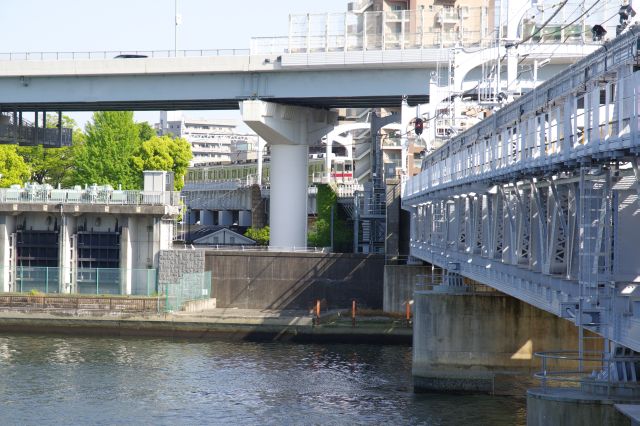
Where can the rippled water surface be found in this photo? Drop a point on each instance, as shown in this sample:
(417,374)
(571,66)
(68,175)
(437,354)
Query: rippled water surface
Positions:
(102,380)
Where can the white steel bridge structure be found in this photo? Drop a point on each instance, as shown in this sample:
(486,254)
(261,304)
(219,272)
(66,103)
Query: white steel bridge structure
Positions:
(541,199)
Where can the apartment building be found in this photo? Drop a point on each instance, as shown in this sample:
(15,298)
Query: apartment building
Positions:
(213,141)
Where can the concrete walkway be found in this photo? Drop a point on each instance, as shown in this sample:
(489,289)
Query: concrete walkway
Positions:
(236,324)
(632,411)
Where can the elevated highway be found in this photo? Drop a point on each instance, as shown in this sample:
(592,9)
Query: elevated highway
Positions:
(368,79)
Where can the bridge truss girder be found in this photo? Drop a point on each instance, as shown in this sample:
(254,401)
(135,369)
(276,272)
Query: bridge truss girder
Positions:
(540,200)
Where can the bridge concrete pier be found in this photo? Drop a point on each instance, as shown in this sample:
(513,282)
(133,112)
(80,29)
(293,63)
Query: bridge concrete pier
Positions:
(482,342)
(289,130)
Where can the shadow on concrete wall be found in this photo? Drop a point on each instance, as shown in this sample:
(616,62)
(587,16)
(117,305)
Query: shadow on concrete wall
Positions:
(273,280)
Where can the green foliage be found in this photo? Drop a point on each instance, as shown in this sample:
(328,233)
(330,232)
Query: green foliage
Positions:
(51,165)
(320,232)
(106,156)
(13,168)
(115,150)
(164,153)
(48,165)
(259,235)
(145,131)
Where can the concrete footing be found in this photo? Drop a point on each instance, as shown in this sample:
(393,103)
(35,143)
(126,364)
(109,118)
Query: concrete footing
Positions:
(482,342)
(571,407)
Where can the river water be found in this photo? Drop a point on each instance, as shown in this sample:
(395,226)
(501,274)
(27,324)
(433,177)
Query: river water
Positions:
(105,380)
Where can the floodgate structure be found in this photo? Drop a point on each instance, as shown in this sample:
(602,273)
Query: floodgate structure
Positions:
(96,240)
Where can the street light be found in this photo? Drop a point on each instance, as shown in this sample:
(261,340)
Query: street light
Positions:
(177,21)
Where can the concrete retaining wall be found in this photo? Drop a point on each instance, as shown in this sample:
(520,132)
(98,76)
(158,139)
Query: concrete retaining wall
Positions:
(173,264)
(475,342)
(399,283)
(567,407)
(199,305)
(272,280)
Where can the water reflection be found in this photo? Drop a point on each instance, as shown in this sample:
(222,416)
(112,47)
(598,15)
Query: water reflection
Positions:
(113,380)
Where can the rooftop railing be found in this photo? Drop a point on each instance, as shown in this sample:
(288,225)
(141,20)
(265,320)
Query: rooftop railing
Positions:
(431,28)
(80,196)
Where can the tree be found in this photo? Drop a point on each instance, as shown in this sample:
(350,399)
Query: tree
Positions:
(164,153)
(145,131)
(106,156)
(320,232)
(259,235)
(52,165)
(13,168)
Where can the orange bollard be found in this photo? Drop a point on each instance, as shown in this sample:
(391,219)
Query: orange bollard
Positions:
(317,311)
(408,312)
(353,313)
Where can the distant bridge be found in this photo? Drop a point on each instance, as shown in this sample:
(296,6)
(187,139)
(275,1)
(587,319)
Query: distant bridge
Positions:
(220,79)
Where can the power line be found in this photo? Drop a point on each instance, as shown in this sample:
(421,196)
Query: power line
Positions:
(553,15)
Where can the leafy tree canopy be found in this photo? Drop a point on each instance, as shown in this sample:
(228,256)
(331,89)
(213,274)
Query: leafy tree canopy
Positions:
(259,235)
(52,165)
(164,153)
(145,131)
(13,168)
(106,156)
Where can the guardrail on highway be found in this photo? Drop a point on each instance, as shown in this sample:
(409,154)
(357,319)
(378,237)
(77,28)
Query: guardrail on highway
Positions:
(119,54)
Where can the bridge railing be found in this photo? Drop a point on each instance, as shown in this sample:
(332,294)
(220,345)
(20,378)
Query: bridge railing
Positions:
(593,371)
(562,120)
(433,27)
(119,54)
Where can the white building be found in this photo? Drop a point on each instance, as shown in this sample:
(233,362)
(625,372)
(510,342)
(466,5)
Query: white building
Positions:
(212,141)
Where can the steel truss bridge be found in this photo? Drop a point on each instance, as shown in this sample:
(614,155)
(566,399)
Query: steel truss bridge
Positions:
(540,200)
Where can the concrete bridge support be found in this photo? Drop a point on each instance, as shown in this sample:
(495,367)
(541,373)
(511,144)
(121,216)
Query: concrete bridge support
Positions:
(482,342)
(290,130)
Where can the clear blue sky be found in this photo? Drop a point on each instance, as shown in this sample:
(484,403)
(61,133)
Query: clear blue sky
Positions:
(96,25)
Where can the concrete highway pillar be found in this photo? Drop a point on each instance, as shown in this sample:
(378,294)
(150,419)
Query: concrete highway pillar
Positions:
(225,218)
(126,255)
(288,200)
(67,268)
(327,157)
(7,227)
(290,130)
(244,218)
(206,217)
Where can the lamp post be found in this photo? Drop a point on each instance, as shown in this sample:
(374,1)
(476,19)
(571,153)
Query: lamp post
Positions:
(176,21)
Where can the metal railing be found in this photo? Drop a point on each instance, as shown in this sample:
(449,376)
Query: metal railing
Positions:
(119,54)
(593,371)
(255,248)
(480,154)
(81,303)
(190,287)
(24,279)
(432,28)
(91,195)
(29,135)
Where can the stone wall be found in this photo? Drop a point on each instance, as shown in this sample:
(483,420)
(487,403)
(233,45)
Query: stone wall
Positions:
(275,280)
(173,264)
